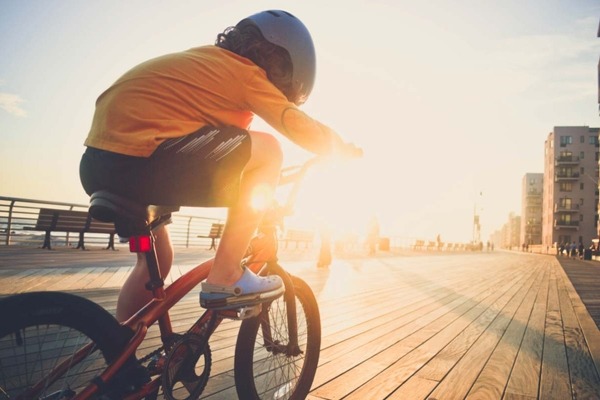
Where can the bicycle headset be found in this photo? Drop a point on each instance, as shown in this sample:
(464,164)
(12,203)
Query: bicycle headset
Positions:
(285,30)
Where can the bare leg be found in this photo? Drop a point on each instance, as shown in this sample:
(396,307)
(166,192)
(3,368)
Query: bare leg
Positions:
(261,173)
(134,294)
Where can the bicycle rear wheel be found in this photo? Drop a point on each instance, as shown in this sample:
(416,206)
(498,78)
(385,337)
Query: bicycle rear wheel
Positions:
(263,368)
(42,330)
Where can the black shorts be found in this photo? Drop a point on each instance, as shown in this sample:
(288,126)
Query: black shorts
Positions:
(202,169)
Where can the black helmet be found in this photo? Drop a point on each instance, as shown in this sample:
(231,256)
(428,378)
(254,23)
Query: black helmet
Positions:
(283,29)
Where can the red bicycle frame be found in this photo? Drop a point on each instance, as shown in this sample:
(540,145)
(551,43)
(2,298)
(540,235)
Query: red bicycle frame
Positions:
(262,252)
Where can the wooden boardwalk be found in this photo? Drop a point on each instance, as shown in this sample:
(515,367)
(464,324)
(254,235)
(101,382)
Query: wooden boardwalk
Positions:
(445,326)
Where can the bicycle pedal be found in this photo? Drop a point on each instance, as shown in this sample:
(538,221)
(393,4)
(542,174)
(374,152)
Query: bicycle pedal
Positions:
(157,364)
(243,312)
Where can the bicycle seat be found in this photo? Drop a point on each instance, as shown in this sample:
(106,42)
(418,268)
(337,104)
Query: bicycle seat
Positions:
(130,217)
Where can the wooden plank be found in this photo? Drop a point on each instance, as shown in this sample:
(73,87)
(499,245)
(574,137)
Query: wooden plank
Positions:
(525,376)
(73,280)
(415,388)
(586,322)
(583,375)
(457,332)
(339,340)
(554,381)
(459,380)
(41,280)
(97,278)
(12,280)
(385,371)
(585,278)
(439,366)
(349,353)
(512,396)
(118,278)
(492,380)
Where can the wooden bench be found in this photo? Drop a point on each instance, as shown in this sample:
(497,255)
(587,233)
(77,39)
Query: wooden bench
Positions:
(51,220)
(298,236)
(418,244)
(216,230)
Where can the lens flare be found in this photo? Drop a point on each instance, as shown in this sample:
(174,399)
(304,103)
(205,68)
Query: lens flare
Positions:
(262,197)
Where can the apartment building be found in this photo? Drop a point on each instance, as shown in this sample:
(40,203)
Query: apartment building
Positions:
(570,191)
(531,208)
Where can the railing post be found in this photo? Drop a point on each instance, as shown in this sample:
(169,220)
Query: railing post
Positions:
(187,235)
(9,222)
(67,234)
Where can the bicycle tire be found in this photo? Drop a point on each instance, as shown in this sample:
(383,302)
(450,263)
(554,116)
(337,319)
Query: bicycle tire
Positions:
(42,329)
(262,374)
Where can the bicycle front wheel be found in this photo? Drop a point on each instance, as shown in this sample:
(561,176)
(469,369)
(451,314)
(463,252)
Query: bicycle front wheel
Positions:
(265,366)
(41,340)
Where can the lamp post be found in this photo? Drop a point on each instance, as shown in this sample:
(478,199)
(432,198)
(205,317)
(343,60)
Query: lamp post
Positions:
(476,224)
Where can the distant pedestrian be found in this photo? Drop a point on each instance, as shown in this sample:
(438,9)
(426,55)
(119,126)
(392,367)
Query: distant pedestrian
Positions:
(373,236)
(325,251)
(572,249)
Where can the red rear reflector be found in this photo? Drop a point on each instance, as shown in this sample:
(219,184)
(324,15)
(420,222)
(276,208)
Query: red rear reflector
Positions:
(140,244)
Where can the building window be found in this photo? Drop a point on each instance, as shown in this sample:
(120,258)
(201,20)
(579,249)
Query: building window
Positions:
(567,172)
(582,170)
(565,140)
(581,154)
(566,154)
(565,203)
(565,187)
(581,186)
(593,139)
(581,201)
(581,139)
(565,219)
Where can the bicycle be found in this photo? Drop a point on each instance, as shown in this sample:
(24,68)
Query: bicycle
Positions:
(57,345)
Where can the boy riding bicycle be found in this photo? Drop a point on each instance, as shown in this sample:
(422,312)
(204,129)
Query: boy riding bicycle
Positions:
(174,130)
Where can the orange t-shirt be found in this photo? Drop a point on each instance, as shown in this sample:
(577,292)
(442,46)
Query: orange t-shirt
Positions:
(176,94)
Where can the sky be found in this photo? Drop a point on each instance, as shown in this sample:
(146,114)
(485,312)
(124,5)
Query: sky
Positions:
(450,100)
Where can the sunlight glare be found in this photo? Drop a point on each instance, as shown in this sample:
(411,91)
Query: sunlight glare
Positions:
(262,197)
(336,196)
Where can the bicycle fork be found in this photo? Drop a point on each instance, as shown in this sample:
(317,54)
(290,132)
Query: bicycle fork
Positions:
(292,348)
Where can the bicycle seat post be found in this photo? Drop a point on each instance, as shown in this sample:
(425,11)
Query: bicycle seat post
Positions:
(144,243)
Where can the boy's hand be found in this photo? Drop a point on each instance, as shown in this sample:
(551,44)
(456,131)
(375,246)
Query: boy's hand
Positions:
(350,150)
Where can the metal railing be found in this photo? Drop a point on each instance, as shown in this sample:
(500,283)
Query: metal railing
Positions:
(18,217)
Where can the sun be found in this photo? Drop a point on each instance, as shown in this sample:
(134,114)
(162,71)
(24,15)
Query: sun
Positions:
(335,196)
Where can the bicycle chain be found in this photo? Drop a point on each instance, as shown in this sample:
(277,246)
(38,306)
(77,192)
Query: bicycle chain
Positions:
(175,338)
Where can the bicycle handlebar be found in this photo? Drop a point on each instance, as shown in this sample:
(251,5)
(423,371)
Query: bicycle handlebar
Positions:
(295,174)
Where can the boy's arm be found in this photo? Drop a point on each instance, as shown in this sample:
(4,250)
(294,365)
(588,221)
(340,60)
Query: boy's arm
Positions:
(309,133)
(270,104)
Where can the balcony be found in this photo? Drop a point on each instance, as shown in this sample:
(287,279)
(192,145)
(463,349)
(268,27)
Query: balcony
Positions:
(533,201)
(534,194)
(566,224)
(564,208)
(566,176)
(566,160)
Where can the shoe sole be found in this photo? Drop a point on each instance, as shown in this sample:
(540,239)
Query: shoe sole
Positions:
(233,302)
